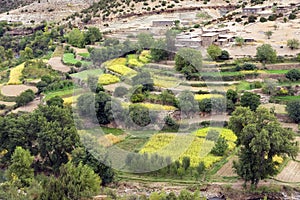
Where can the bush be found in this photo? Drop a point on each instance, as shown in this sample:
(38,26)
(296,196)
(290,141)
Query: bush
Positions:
(292,16)
(263,19)
(120,91)
(293,75)
(249,66)
(250,100)
(220,148)
(293,109)
(78,64)
(252,19)
(272,18)
(224,55)
(25,97)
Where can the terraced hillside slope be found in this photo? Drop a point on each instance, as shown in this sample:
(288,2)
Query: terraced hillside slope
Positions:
(7,5)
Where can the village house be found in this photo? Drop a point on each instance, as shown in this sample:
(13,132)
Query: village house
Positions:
(163,23)
(252,10)
(209,38)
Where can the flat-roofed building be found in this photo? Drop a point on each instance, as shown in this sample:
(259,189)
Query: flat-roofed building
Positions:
(209,38)
(163,23)
(253,9)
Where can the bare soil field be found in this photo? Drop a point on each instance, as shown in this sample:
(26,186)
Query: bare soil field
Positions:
(7,103)
(30,107)
(227,169)
(16,90)
(57,64)
(291,173)
(282,33)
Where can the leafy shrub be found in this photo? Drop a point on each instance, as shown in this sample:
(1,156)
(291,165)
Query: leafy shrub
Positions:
(293,75)
(25,97)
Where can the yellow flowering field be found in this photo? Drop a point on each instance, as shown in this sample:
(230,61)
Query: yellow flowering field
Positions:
(152,106)
(106,79)
(145,56)
(179,146)
(121,69)
(200,97)
(15,75)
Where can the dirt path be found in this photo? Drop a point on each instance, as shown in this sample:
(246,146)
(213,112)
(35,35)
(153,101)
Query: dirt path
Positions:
(57,64)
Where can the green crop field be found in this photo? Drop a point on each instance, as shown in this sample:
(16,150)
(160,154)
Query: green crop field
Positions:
(69,59)
(84,74)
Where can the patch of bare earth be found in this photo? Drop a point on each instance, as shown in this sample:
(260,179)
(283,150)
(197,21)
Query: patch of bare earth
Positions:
(227,169)
(29,107)
(16,90)
(57,65)
(291,173)
(48,10)
(7,103)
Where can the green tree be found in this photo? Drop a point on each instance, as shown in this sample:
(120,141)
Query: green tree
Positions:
(92,35)
(103,107)
(158,50)
(25,97)
(250,100)
(86,104)
(220,148)
(186,162)
(187,103)
(20,167)
(188,61)
(293,75)
(293,44)
(293,110)
(145,40)
(170,40)
(269,34)
(144,79)
(232,95)
(76,38)
(260,137)
(27,53)
(56,101)
(185,195)
(270,86)
(224,55)
(214,51)
(239,41)
(266,54)
(92,82)
(75,182)
(139,115)
(54,134)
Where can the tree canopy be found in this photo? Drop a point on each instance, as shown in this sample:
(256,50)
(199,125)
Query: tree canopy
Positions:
(266,54)
(260,137)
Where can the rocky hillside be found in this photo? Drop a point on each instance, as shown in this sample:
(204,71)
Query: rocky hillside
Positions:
(7,5)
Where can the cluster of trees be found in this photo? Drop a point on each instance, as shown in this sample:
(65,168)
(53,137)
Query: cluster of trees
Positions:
(49,134)
(162,166)
(217,54)
(161,49)
(52,83)
(79,38)
(75,181)
(189,62)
